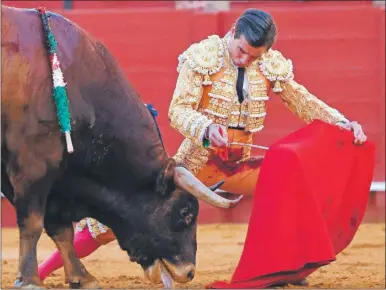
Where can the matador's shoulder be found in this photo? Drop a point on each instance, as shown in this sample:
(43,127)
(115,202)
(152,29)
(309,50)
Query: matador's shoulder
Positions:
(276,68)
(204,57)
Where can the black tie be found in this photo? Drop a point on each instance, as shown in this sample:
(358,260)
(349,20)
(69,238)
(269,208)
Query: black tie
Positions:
(239,85)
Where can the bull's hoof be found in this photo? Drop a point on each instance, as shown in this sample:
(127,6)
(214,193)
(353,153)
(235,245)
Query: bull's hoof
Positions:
(31,286)
(280,284)
(27,285)
(303,283)
(85,284)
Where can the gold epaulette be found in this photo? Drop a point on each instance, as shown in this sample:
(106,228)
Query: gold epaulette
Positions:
(276,68)
(205,57)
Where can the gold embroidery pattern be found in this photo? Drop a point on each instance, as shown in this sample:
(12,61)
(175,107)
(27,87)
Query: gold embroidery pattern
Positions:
(224,107)
(193,156)
(195,65)
(255,116)
(276,68)
(295,96)
(205,57)
(182,111)
(250,114)
(95,227)
(221,97)
(238,116)
(306,106)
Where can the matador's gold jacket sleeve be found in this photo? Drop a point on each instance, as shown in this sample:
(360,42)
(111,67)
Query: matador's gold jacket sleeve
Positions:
(195,65)
(295,96)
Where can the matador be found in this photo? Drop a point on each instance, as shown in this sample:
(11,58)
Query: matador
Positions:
(206,94)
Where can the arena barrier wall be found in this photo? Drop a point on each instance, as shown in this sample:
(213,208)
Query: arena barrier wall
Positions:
(341,62)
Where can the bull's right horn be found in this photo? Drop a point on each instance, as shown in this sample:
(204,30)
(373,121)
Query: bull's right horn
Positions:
(186,180)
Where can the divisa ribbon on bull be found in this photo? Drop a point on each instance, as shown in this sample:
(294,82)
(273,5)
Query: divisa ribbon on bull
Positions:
(59,86)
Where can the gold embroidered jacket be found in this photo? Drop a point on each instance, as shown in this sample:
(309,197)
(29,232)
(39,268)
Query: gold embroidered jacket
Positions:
(205,93)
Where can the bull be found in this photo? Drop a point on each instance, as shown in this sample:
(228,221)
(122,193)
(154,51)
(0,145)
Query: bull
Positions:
(119,173)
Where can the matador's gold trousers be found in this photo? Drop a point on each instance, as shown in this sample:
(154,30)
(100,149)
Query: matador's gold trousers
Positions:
(233,164)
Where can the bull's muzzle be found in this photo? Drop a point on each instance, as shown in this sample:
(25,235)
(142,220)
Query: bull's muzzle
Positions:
(181,273)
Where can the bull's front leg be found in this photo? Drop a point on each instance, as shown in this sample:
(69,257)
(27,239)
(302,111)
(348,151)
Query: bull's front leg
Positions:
(76,274)
(30,229)
(30,206)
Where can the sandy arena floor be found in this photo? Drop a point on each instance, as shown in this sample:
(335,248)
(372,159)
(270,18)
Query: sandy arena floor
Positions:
(361,265)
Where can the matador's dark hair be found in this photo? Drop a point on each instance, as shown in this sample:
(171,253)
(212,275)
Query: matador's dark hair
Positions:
(258,28)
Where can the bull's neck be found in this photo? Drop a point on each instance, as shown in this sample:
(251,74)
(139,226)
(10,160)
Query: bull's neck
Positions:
(131,158)
(123,144)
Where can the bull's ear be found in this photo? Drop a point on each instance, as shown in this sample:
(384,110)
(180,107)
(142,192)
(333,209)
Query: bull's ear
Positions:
(165,179)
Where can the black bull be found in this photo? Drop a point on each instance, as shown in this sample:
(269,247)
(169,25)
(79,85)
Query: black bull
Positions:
(119,173)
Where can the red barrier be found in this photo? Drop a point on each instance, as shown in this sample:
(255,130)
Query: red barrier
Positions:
(51,5)
(8,214)
(81,4)
(341,62)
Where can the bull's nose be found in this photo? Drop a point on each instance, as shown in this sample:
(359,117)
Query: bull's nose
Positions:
(182,273)
(191,275)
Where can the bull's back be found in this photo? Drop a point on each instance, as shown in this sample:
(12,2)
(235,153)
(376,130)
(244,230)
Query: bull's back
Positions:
(17,49)
(31,137)
(26,78)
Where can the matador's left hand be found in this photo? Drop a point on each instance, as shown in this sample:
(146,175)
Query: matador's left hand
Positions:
(354,126)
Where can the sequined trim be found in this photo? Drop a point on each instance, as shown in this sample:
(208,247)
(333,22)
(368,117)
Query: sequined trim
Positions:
(276,68)
(205,57)
(183,114)
(95,227)
(193,156)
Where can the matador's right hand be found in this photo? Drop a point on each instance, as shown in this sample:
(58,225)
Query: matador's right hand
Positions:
(217,135)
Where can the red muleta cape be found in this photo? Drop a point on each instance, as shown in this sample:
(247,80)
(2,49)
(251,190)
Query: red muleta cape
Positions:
(308,204)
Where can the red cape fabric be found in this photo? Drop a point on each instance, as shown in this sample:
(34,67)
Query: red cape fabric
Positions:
(308,204)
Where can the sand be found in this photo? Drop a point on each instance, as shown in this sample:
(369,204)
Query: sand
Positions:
(361,265)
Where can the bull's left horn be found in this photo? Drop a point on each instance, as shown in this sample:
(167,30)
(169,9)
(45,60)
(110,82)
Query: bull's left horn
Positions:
(186,180)
(217,185)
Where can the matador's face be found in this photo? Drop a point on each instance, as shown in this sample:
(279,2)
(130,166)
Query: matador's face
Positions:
(241,53)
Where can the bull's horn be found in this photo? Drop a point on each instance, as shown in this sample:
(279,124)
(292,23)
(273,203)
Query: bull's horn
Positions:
(186,180)
(216,186)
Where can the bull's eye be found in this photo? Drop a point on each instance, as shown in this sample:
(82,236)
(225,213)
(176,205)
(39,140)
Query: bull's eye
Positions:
(183,215)
(184,212)
(187,217)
